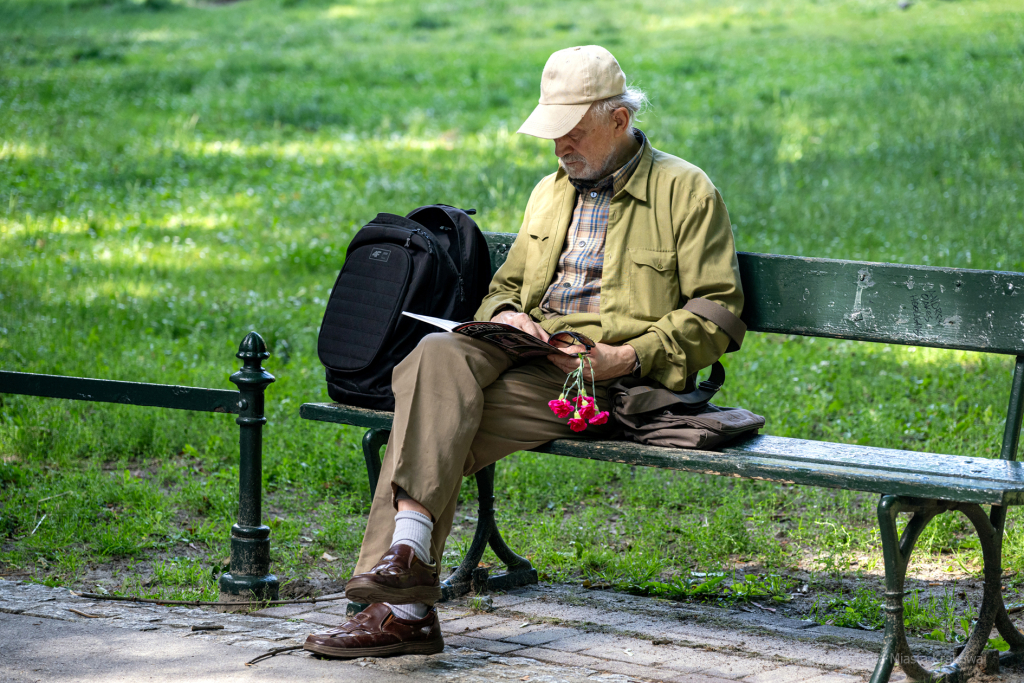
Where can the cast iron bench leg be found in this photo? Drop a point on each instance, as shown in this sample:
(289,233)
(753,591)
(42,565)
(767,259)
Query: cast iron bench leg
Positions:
(896,552)
(467,576)
(470,577)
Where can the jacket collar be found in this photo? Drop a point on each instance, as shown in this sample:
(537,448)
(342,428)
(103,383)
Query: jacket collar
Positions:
(637,185)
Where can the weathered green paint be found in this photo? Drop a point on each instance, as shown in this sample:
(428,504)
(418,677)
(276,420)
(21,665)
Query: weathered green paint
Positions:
(799,461)
(949,308)
(896,550)
(250,575)
(116,391)
(335,412)
(373,441)
(1014,413)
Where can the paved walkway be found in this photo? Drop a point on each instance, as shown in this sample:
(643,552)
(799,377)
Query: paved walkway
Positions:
(541,634)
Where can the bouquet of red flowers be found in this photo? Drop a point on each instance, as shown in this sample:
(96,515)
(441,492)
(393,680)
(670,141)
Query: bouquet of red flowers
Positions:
(582,407)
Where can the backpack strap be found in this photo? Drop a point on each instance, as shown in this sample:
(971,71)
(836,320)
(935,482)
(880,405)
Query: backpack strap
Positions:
(721,316)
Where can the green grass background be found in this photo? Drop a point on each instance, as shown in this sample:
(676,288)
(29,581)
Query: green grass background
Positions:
(174,174)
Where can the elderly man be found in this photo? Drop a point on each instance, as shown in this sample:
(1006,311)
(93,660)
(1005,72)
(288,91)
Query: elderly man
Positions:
(611,247)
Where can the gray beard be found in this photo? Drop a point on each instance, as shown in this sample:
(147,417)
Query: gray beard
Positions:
(589,172)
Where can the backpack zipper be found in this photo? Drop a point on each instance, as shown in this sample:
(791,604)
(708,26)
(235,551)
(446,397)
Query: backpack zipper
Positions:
(429,239)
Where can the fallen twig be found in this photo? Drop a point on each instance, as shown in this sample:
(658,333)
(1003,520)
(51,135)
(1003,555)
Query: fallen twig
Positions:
(37,526)
(1013,609)
(58,495)
(271,653)
(198,603)
(86,614)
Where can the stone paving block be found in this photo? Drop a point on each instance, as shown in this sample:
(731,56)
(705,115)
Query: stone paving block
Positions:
(493,646)
(509,599)
(255,644)
(324,619)
(835,678)
(696,678)
(542,635)
(340,608)
(636,670)
(695,660)
(538,608)
(543,654)
(634,651)
(786,674)
(701,635)
(282,611)
(738,667)
(584,641)
(820,654)
(507,630)
(473,623)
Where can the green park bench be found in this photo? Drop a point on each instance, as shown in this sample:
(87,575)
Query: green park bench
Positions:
(944,308)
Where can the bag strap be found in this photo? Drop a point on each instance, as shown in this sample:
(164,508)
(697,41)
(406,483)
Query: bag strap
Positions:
(643,398)
(721,316)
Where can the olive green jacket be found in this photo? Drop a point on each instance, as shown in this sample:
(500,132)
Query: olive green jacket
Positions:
(669,239)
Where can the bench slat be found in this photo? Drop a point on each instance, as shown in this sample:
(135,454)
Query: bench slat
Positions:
(972,310)
(950,308)
(800,461)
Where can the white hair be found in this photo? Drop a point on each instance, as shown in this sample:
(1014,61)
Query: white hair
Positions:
(633,99)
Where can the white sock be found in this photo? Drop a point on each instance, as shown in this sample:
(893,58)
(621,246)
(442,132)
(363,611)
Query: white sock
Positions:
(413,611)
(414,529)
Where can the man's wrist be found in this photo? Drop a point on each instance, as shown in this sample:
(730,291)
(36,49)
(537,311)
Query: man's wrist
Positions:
(632,361)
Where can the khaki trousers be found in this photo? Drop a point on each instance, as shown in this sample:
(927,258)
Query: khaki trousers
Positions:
(459,407)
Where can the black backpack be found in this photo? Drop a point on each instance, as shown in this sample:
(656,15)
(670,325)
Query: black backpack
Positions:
(433,262)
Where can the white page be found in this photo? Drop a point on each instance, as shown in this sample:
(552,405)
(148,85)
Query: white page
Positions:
(447,325)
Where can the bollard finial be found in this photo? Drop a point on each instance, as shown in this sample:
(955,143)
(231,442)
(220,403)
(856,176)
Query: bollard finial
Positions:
(252,348)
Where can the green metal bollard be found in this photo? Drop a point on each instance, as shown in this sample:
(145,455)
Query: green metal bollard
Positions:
(250,578)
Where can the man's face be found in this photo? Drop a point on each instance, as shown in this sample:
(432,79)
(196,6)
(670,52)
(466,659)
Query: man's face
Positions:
(589,149)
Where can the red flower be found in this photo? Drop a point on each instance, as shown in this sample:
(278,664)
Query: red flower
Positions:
(600,418)
(560,407)
(577,424)
(588,411)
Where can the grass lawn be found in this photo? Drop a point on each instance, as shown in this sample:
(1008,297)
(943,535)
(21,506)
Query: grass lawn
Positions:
(173,175)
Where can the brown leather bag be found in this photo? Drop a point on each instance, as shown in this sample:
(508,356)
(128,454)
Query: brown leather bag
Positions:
(651,414)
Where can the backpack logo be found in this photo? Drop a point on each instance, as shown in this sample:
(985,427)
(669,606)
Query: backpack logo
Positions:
(381,255)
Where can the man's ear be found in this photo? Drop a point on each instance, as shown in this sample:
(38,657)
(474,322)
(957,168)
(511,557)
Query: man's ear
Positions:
(621,118)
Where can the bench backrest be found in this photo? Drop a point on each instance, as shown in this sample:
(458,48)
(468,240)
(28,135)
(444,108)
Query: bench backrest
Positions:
(948,308)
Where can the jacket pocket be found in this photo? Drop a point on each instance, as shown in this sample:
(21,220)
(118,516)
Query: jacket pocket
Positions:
(653,283)
(536,261)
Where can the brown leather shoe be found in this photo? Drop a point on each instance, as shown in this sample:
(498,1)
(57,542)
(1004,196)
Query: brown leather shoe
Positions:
(377,632)
(400,578)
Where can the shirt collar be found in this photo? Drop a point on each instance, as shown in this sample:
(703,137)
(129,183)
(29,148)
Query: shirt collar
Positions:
(617,180)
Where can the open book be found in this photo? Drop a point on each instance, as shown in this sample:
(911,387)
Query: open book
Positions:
(516,343)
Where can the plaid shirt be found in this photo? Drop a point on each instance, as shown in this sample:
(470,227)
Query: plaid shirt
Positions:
(576,287)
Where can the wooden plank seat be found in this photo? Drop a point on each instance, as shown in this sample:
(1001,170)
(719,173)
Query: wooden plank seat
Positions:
(891,303)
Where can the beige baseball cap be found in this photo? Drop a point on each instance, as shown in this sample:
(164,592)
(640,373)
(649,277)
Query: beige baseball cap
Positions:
(573,79)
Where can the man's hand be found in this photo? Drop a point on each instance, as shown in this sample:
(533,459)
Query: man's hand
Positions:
(521,321)
(608,362)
